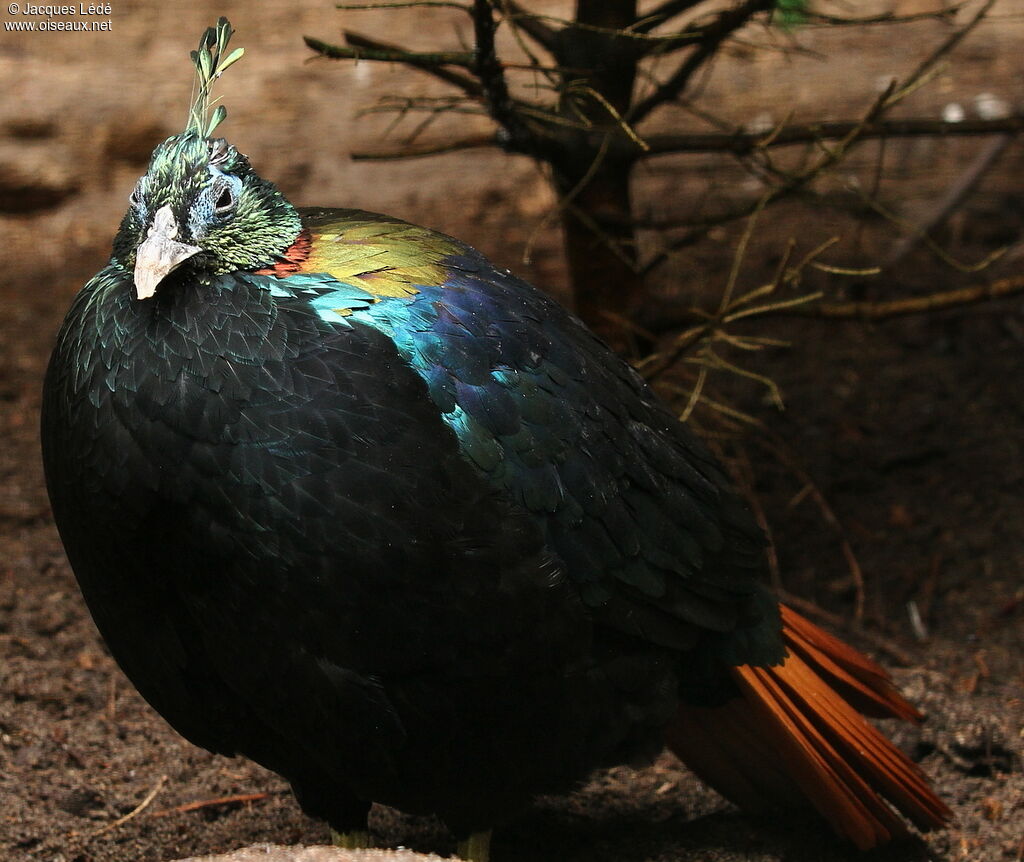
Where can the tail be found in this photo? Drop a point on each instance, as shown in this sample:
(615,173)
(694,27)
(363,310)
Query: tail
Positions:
(797,737)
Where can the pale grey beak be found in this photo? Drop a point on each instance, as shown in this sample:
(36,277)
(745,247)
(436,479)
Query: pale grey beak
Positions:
(160,253)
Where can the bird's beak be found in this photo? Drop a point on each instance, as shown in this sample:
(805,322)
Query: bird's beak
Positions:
(160,253)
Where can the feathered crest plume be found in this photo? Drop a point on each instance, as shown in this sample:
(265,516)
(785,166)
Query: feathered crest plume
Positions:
(210,61)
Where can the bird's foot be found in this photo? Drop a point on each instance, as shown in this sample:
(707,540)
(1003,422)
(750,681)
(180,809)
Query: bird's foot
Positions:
(476,848)
(357,839)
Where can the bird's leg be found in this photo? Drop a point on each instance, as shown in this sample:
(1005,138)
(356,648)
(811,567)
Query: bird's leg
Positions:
(476,848)
(354,839)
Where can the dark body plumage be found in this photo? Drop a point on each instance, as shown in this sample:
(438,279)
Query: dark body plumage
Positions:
(325,575)
(380,516)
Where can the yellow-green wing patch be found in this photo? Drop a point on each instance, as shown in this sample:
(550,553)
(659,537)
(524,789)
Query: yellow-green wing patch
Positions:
(382,255)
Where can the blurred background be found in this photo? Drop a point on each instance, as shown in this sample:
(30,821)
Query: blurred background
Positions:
(884,455)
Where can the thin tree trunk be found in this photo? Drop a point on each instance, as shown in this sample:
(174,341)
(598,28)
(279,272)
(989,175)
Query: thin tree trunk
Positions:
(600,251)
(599,244)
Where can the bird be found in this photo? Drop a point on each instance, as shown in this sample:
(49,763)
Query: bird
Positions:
(344,497)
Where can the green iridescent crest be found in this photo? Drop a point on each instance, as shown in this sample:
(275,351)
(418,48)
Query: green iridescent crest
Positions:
(210,60)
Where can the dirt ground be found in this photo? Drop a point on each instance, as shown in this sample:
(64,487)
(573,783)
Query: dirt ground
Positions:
(910,429)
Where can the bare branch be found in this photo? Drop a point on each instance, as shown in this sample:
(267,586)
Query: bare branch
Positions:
(565,201)
(707,327)
(661,14)
(727,23)
(138,809)
(441,4)
(885,212)
(947,13)
(423,104)
(433,63)
(742,143)
(365,48)
(788,185)
(955,195)
(531,25)
(485,61)
(785,455)
(596,96)
(741,468)
(938,301)
(626,33)
(591,126)
(494,87)
(942,300)
(951,42)
(471,143)
(236,799)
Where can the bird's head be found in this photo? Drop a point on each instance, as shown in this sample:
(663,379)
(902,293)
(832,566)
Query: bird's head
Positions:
(200,205)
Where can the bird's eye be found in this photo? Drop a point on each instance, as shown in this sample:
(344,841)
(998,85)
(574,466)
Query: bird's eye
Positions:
(135,198)
(225,202)
(219,151)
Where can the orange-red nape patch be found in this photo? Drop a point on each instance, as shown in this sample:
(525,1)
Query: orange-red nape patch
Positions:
(291,261)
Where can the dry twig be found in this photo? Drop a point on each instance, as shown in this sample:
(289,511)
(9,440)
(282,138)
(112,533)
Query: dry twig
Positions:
(938,301)
(135,812)
(954,197)
(781,451)
(237,799)
(742,143)
(669,318)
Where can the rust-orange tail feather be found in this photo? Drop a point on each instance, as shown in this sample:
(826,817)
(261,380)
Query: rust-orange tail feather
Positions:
(797,737)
